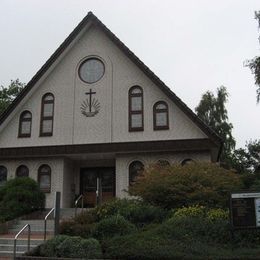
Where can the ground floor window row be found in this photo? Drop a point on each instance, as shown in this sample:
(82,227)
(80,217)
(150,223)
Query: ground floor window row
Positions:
(44,175)
(136,168)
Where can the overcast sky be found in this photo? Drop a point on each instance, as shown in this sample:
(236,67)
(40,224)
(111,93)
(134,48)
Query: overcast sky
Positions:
(193,46)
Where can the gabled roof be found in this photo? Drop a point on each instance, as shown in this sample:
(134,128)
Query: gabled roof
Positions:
(90,17)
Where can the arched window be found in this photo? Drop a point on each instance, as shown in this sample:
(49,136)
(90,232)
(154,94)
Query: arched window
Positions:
(160,116)
(136,109)
(3,175)
(22,171)
(25,124)
(163,163)
(47,114)
(44,178)
(135,169)
(186,162)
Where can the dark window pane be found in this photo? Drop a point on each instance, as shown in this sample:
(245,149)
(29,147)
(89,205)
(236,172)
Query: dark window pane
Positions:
(48,109)
(47,126)
(22,171)
(136,103)
(135,169)
(136,120)
(161,119)
(3,175)
(26,127)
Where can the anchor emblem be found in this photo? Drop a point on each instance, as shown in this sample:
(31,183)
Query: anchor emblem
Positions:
(90,107)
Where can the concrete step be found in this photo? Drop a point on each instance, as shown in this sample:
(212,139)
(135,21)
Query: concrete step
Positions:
(7,246)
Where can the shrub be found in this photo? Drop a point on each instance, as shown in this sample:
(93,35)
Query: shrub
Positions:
(66,246)
(20,196)
(113,226)
(134,211)
(204,184)
(72,228)
(192,211)
(217,214)
(86,217)
(50,248)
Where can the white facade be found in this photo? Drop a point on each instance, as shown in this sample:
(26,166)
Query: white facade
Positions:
(109,126)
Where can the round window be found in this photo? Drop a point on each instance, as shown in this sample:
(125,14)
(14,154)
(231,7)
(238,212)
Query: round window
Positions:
(91,70)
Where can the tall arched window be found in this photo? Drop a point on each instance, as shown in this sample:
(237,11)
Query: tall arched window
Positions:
(44,178)
(22,171)
(136,109)
(25,124)
(135,169)
(3,175)
(160,116)
(47,115)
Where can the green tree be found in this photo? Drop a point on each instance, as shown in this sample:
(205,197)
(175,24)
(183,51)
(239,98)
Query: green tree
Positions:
(8,94)
(254,64)
(247,160)
(212,110)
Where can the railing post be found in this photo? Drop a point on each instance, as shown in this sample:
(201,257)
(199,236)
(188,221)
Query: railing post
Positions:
(29,237)
(45,222)
(18,234)
(14,249)
(57,213)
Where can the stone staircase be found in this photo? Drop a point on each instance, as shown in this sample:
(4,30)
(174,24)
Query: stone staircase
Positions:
(37,233)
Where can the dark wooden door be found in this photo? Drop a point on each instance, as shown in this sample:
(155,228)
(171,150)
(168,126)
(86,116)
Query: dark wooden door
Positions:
(97,185)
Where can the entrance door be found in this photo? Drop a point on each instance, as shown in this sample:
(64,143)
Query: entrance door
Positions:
(97,185)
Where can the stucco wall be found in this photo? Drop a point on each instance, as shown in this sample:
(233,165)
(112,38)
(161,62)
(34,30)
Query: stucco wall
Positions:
(33,166)
(111,123)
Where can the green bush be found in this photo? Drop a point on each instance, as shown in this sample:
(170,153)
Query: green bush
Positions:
(203,184)
(72,228)
(86,217)
(74,247)
(217,214)
(135,211)
(20,196)
(50,248)
(195,211)
(113,226)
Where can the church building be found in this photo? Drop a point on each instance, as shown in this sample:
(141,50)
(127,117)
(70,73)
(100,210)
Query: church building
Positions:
(92,117)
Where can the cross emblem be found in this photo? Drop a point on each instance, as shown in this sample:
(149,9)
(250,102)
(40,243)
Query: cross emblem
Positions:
(90,93)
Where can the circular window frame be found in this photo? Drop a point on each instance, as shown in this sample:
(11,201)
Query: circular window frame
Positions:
(84,61)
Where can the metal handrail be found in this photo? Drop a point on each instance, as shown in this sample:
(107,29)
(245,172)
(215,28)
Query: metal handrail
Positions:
(45,222)
(18,234)
(76,203)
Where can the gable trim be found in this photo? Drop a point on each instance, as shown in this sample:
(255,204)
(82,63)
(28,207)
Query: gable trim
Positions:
(185,145)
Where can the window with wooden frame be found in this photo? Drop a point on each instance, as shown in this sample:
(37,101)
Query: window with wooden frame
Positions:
(136,168)
(44,178)
(25,124)
(22,171)
(47,115)
(160,116)
(3,175)
(136,109)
